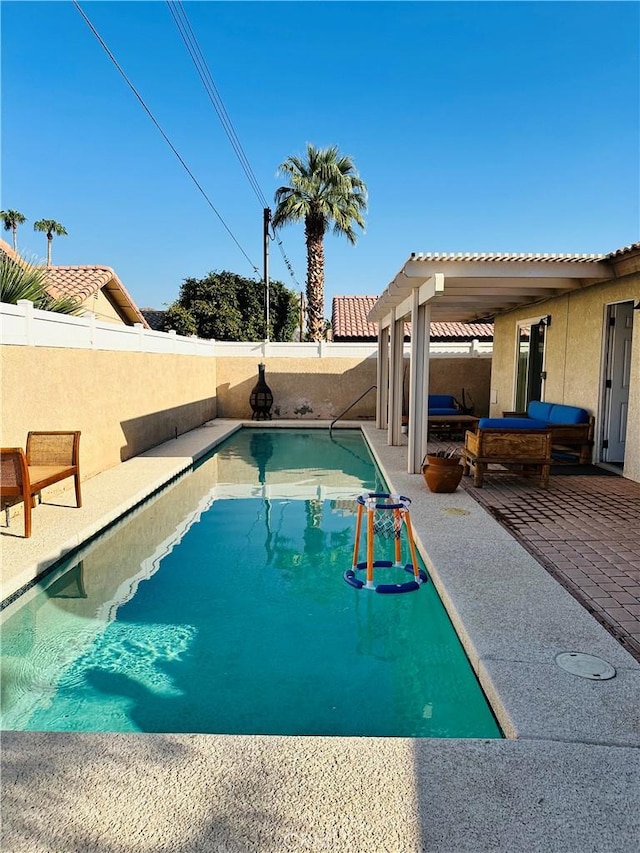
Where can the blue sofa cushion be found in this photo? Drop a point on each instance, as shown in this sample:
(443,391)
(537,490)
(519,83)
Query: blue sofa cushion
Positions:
(539,411)
(561,414)
(442,401)
(510,423)
(443,411)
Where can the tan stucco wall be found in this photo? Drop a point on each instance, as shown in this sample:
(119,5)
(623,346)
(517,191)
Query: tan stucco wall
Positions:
(574,352)
(312,388)
(451,375)
(309,388)
(123,402)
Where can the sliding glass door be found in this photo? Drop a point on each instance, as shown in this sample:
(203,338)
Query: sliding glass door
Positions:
(530,369)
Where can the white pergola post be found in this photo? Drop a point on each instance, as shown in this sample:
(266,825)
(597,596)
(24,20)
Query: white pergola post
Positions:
(418,383)
(394,428)
(382,379)
(419,387)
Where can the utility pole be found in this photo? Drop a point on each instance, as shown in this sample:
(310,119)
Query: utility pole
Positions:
(266,222)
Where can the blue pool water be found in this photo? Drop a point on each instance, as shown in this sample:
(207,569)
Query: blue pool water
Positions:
(221,608)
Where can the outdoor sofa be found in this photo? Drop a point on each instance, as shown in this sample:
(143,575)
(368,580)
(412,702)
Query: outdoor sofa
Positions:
(571,429)
(443,404)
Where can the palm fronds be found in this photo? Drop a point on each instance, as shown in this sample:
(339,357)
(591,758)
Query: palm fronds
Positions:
(29,281)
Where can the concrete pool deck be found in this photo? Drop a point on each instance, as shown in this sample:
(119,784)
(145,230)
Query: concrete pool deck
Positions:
(566,779)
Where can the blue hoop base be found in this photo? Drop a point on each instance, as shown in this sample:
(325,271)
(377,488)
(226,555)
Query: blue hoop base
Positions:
(386,588)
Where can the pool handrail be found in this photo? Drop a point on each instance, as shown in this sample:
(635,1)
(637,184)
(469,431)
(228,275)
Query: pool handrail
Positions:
(350,406)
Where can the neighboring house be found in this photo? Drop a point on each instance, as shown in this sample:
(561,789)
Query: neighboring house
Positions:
(154,318)
(349,324)
(563,332)
(98,290)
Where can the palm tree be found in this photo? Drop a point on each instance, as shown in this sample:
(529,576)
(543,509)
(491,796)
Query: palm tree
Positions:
(325,191)
(50,227)
(11,219)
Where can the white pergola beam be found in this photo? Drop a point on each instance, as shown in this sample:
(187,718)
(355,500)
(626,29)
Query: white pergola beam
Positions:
(431,287)
(520,278)
(505,269)
(404,307)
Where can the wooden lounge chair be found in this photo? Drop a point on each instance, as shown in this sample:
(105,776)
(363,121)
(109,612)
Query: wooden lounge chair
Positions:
(50,457)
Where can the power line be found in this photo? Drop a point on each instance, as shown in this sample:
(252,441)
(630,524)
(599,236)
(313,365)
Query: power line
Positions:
(286,259)
(164,135)
(192,45)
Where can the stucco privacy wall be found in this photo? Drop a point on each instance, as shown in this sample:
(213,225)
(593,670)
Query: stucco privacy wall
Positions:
(451,375)
(126,402)
(574,353)
(301,387)
(123,402)
(312,388)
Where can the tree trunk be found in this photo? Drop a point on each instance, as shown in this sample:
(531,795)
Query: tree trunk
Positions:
(49,242)
(15,237)
(315,280)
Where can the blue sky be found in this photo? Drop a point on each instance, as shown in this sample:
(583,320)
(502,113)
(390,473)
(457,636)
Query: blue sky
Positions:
(477,126)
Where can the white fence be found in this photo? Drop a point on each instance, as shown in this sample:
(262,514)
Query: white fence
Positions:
(23,325)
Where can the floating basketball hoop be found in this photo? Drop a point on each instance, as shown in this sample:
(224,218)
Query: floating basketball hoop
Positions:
(386,514)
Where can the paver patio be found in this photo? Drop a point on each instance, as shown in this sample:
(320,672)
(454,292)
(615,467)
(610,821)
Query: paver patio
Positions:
(585,530)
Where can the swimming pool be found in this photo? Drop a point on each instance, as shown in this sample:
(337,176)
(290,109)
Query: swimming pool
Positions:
(220,607)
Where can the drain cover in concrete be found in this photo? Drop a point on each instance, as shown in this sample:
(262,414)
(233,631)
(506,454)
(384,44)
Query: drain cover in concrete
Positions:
(586,666)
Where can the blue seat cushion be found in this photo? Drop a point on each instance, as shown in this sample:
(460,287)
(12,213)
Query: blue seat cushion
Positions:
(510,423)
(561,414)
(443,411)
(539,411)
(442,401)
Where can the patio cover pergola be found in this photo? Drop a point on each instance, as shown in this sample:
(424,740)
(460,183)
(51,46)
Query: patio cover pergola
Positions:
(461,288)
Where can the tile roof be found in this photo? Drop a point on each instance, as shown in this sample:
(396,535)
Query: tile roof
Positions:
(634,247)
(460,331)
(5,249)
(77,282)
(349,321)
(154,318)
(81,282)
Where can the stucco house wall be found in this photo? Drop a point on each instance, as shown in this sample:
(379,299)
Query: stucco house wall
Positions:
(102,308)
(574,355)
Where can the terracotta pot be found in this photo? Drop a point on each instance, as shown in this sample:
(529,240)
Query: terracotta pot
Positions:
(442,474)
